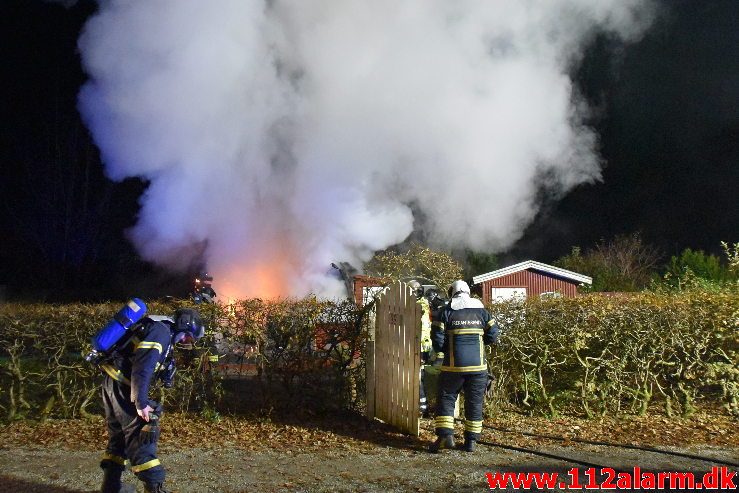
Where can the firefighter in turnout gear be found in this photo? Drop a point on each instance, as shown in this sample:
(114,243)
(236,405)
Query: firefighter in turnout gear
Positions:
(425,342)
(203,291)
(461,331)
(141,358)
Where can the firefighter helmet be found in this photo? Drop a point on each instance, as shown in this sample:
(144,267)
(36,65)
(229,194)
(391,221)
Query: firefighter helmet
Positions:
(416,288)
(459,287)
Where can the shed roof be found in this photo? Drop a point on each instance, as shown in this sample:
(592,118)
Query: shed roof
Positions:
(532,264)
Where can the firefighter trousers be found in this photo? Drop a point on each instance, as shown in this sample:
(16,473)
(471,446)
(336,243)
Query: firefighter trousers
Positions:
(125,439)
(423,402)
(450,384)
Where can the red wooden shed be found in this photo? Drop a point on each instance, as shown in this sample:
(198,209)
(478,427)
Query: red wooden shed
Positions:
(525,279)
(365,287)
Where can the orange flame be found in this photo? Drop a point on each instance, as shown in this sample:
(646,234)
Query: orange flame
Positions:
(265,280)
(268,270)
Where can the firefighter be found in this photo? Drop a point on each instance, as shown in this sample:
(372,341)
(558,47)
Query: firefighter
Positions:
(203,291)
(425,342)
(461,330)
(436,302)
(132,418)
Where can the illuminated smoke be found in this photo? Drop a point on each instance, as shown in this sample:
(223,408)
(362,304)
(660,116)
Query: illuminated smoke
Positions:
(279,137)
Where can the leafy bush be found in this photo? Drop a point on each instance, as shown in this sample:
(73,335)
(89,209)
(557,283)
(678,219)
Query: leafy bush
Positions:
(593,354)
(437,266)
(611,355)
(625,263)
(705,266)
(43,374)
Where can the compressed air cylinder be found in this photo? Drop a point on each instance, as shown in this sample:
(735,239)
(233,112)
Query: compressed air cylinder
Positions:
(106,337)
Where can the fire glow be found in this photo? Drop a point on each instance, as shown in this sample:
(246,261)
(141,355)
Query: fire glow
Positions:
(253,281)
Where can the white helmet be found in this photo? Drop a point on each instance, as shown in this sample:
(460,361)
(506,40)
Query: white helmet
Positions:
(459,287)
(416,288)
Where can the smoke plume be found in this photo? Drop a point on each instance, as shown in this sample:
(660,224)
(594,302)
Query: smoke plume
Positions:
(281,136)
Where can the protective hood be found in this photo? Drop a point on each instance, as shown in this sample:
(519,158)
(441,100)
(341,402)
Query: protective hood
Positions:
(463,300)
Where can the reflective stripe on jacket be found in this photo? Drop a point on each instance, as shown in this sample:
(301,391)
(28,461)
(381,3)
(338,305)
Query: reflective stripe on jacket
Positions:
(462,335)
(139,359)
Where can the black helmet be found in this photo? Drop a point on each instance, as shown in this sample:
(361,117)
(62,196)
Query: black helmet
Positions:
(188,322)
(432,294)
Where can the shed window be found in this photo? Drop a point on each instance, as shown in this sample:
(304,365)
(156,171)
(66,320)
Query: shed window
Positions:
(505,294)
(547,295)
(370,292)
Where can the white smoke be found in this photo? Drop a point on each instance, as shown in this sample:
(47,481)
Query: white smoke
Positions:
(286,135)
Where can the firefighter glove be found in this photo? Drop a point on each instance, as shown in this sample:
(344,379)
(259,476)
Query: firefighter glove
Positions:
(439,359)
(150,431)
(489,384)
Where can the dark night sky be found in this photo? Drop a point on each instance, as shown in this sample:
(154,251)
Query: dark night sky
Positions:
(667,113)
(669,128)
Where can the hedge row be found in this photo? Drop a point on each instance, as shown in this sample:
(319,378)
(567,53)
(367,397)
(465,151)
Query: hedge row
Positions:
(294,353)
(611,355)
(591,355)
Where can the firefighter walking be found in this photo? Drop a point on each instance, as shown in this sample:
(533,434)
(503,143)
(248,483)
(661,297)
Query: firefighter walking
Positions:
(460,331)
(132,418)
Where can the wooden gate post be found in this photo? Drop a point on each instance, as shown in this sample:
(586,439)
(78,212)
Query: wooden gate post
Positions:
(394,360)
(369,363)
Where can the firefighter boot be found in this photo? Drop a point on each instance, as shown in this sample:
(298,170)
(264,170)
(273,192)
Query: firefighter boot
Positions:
(111,480)
(442,442)
(154,488)
(469,445)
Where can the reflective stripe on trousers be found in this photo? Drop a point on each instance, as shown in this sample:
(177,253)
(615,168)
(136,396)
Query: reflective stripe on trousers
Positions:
(450,385)
(124,435)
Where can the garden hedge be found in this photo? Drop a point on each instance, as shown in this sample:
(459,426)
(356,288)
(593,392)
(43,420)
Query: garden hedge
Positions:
(589,355)
(612,355)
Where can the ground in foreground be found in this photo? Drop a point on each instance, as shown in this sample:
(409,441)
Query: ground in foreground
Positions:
(349,454)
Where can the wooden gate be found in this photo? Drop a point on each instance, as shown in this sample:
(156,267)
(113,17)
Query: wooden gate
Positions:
(394,359)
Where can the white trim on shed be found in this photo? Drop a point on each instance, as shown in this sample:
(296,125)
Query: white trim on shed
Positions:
(532,264)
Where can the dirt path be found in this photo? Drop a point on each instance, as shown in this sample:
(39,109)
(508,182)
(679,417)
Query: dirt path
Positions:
(231,470)
(344,456)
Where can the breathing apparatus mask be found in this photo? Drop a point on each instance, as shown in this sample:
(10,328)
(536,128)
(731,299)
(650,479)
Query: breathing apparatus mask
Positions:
(188,326)
(435,299)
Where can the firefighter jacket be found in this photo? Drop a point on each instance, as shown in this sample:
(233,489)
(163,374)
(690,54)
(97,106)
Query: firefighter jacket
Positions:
(425,325)
(461,332)
(138,360)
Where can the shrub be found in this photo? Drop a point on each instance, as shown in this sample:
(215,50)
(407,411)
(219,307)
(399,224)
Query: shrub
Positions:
(610,355)
(437,266)
(593,354)
(43,374)
(625,263)
(705,266)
